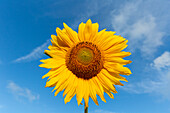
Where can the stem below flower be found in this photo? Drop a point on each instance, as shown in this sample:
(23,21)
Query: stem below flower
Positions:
(86,109)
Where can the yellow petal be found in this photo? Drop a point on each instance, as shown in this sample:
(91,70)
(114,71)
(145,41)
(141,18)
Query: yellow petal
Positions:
(99,88)
(106,42)
(117,68)
(61,88)
(98,36)
(86,95)
(80,90)
(117,60)
(58,48)
(70,95)
(72,91)
(54,72)
(58,42)
(60,82)
(119,54)
(109,93)
(56,53)
(117,76)
(111,78)
(93,92)
(116,48)
(81,31)
(87,30)
(71,34)
(55,79)
(54,39)
(70,84)
(52,63)
(53,47)
(112,41)
(94,32)
(106,82)
(64,37)
(105,36)
(60,69)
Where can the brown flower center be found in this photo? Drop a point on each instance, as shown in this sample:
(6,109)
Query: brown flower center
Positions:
(84,60)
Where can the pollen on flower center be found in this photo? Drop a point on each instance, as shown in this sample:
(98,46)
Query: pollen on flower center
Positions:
(85,55)
(84,60)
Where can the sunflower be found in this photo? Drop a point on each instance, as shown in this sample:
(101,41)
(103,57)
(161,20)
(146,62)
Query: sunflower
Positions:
(86,63)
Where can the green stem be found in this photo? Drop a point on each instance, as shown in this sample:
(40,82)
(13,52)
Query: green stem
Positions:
(85,109)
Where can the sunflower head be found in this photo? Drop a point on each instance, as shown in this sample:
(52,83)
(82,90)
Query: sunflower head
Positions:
(87,63)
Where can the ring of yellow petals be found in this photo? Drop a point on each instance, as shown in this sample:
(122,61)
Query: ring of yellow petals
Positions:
(62,77)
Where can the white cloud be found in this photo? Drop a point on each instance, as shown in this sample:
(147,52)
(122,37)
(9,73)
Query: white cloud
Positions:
(103,111)
(142,23)
(159,87)
(35,54)
(90,9)
(158,84)
(20,92)
(162,61)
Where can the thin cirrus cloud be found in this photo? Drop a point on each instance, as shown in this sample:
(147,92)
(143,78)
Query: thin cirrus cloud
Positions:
(34,55)
(91,8)
(144,28)
(143,24)
(103,111)
(21,93)
(159,84)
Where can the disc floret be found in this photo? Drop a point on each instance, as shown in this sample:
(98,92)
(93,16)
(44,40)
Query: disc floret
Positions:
(84,60)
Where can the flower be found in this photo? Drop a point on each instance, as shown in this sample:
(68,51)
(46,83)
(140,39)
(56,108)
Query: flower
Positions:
(86,63)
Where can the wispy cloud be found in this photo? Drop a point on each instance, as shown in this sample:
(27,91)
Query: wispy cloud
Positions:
(20,92)
(35,54)
(145,25)
(92,8)
(159,83)
(103,111)
(162,61)
(159,87)
(142,24)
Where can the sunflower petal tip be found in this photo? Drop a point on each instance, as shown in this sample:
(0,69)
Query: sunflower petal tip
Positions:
(52,90)
(57,29)
(52,35)
(89,27)
(64,24)
(89,20)
(41,65)
(55,94)
(130,73)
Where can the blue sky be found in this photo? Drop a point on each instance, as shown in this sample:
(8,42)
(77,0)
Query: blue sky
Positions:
(25,30)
